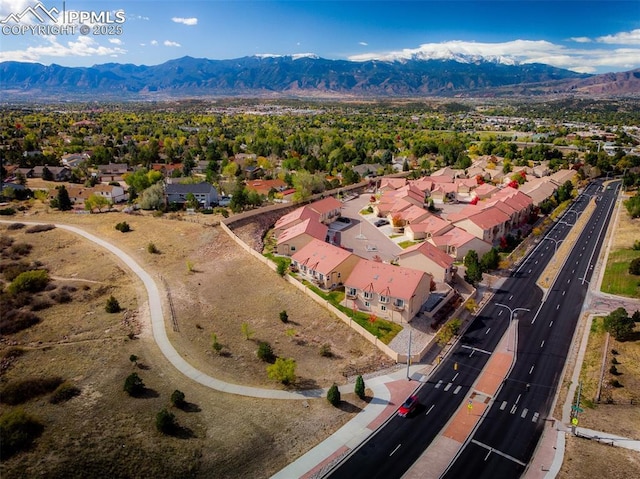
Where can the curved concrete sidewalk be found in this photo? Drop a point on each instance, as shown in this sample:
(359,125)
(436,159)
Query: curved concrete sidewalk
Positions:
(158,327)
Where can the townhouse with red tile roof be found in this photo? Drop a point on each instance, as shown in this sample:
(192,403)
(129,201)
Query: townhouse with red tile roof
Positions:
(296,237)
(387,291)
(458,242)
(323,264)
(430,259)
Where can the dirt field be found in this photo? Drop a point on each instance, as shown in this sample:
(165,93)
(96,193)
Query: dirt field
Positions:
(587,459)
(215,287)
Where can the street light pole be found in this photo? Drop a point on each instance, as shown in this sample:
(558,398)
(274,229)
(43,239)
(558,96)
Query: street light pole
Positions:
(512,316)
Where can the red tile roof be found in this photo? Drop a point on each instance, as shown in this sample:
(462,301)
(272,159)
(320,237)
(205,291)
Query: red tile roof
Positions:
(325,205)
(386,279)
(310,227)
(320,256)
(435,254)
(301,213)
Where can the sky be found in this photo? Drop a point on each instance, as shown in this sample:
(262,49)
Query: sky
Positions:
(583,36)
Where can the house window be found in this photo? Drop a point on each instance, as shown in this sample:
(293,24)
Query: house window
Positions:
(351,291)
(399,303)
(383,308)
(384,299)
(366,304)
(321,277)
(368,295)
(293,248)
(338,274)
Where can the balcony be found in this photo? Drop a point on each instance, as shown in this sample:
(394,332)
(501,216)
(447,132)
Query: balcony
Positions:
(351,294)
(397,307)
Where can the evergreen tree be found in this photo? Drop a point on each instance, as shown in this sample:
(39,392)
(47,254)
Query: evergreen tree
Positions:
(473,274)
(63,201)
(333,395)
(359,389)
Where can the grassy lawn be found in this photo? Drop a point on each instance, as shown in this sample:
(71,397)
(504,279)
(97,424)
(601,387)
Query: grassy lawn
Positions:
(384,330)
(590,373)
(617,279)
(406,244)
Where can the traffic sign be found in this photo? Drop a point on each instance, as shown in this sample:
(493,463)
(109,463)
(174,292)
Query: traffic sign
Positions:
(574,421)
(577,409)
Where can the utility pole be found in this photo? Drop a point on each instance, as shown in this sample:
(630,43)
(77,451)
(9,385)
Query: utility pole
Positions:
(576,410)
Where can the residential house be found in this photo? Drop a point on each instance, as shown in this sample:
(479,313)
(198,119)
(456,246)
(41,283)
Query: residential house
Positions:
(367,170)
(539,189)
(430,259)
(293,218)
(329,209)
(298,236)
(387,183)
(387,291)
(457,243)
(324,264)
(112,172)
(444,192)
(410,215)
(167,169)
(485,191)
(489,224)
(426,228)
(204,192)
(78,194)
(73,160)
(58,173)
(263,187)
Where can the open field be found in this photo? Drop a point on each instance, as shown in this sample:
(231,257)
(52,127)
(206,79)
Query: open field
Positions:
(617,279)
(587,459)
(105,433)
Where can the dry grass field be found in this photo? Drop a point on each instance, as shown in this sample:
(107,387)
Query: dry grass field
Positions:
(215,288)
(588,459)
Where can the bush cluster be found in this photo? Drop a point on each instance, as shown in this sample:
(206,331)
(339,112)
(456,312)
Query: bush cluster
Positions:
(123,227)
(29,281)
(64,392)
(18,430)
(265,352)
(18,392)
(39,228)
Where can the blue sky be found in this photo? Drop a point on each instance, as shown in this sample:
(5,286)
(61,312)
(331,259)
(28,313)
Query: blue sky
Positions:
(585,36)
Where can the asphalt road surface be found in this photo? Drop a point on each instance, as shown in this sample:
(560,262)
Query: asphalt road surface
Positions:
(399,443)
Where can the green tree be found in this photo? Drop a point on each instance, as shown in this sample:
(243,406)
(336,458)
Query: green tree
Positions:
(166,422)
(177,399)
(283,370)
(63,202)
(265,352)
(359,388)
(333,395)
(112,306)
(634,266)
(284,317)
(192,201)
(96,201)
(448,331)
(633,205)
(619,324)
(490,260)
(123,227)
(29,281)
(247,332)
(473,274)
(133,385)
(152,198)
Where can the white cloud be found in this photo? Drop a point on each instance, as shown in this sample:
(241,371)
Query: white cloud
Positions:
(154,42)
(581,39)
(364,44)
(622,38)
(185,21)
(169,43)
(115,41)
(85,46)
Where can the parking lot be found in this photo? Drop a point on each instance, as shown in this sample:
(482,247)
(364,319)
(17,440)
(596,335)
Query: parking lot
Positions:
(360,236)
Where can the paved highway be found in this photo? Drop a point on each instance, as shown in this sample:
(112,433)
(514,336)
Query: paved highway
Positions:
(506,439)
(395,447)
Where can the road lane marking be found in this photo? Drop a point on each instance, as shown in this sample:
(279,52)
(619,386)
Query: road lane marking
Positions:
(558,307)
(500,313)
(432,406)
(397,447)
(531,370)
(535,417)
(518,399)
(457,390)
(524,413)
(487,332)
(503,405)
(551,323)
(447,387)
(477,349)
(564,292)
(536,262)
(529,270)
(514,409)
(510,297)
(454,377)
(439,384)
(542,343)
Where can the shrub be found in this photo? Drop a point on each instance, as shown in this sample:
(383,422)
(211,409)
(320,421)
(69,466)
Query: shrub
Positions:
(325,351)
(20,249)
(38,304)
(215,344)
(61,297)
(177,398)
(265,352)
(247,332)
(39,228)
(636,245)
(133,385)
(15,320)
(151,248)
(619,324)
(7,212)
(284,317)
(283,370)
(64,392)
(615,383)
(12,270)
(112,305)
(133,358)
(18,430)
(333,395)
(165,422)
(634,266)
(359,388)
(614,361)
(123,227)
(281,268)
(18,392)
(29,281)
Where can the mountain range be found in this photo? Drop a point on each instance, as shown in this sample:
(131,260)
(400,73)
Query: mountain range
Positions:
(306,75)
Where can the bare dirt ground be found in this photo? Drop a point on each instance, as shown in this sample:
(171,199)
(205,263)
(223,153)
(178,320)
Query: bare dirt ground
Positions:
(588,459)
(215,287)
